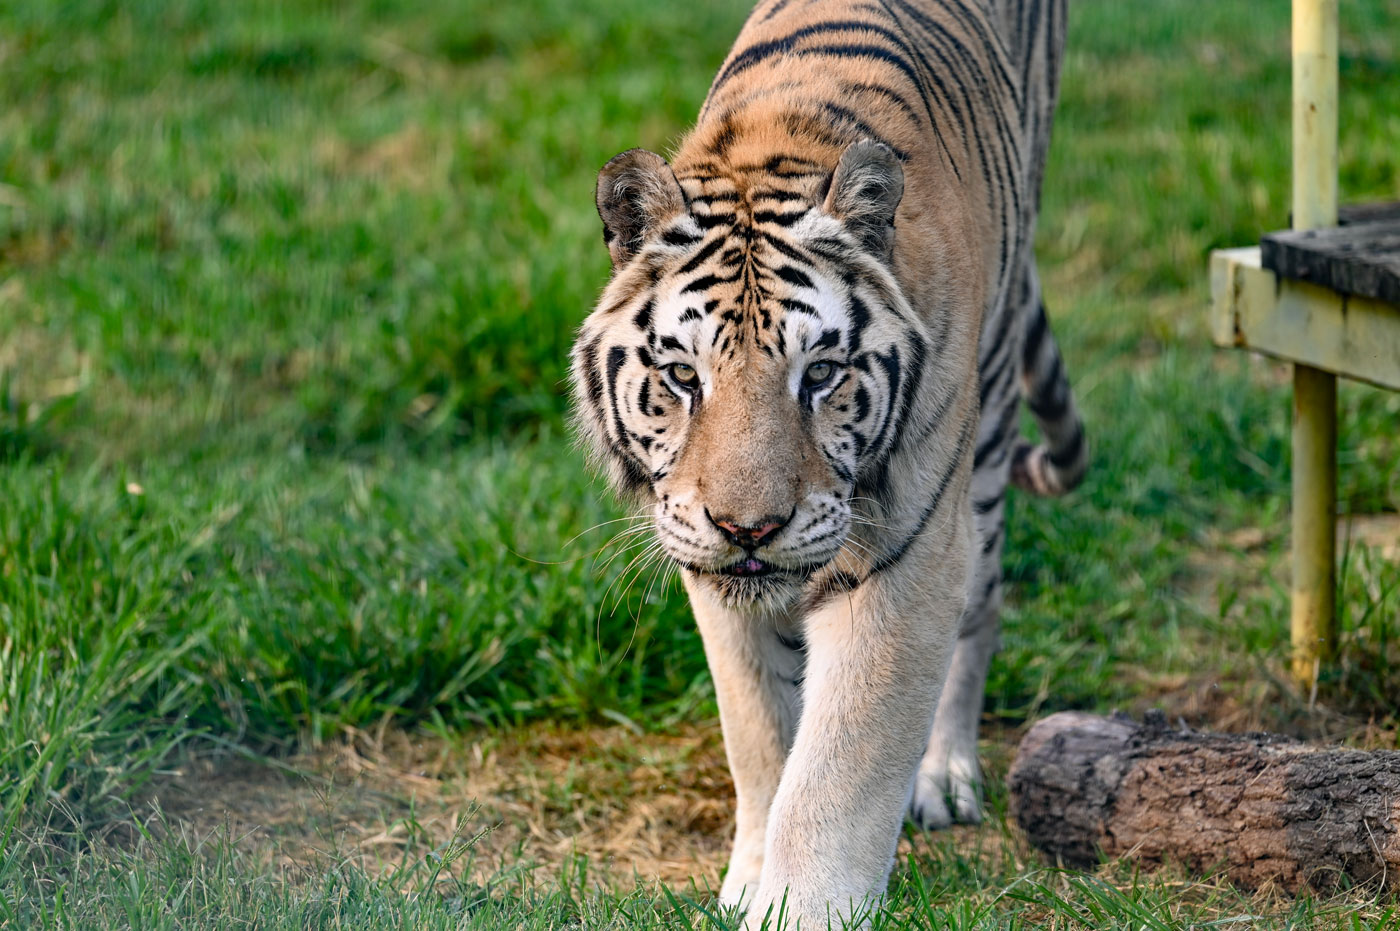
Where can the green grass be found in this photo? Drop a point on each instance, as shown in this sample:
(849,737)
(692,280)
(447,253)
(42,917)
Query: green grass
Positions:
(285,297)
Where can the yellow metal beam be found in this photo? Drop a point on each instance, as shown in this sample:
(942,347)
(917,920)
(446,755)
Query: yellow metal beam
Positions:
(1251,308)
(1314,390)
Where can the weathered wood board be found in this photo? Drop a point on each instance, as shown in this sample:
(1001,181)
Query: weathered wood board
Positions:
(1360,259)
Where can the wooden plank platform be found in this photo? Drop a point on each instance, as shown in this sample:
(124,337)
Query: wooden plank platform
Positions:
(1360,258)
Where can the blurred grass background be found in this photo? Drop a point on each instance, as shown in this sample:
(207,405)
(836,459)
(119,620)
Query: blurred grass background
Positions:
(286,290)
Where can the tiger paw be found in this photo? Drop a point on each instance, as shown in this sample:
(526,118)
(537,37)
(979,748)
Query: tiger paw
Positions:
(946,791)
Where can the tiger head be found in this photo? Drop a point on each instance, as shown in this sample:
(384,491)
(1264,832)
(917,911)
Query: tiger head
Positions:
(752,359)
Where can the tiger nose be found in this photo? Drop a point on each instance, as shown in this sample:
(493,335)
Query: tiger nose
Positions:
(751,535)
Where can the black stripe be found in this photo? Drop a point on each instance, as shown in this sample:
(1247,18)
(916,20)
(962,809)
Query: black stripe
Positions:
(864,128)
(784,249)
(945,99)
(851,88)
(799,307)
(894,556)
(814,129)
(1049,408)
(782,197)
(777,8)
(708,221)
(860,319)
(592,380)
(913,380)
(1039,324)
(781,219)
(1069,454)
(991,378)
(707,281)
(633,474)
(1042,383)
(719,197)
(698,258)
(726,136)
(794,276)
(1028,38)
(893,376)
(675,237)
(762,51)
(1004,427)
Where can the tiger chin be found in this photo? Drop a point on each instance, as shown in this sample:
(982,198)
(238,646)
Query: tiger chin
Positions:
(808,365)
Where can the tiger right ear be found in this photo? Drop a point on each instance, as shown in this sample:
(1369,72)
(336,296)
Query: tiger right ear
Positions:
(864,193)
(637,191)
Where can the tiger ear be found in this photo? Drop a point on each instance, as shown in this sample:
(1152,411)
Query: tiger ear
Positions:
(637,191)
(864,192)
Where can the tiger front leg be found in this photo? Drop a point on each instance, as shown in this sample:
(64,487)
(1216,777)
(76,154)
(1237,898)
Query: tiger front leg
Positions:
(875,663)
(756,662)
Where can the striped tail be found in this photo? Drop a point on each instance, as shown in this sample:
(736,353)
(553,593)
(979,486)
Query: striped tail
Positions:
(1058,464)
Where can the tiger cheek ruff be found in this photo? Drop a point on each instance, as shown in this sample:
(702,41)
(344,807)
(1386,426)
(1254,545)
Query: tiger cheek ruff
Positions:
(807,369)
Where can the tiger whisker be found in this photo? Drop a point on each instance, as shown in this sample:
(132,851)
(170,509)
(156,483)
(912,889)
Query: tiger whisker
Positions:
(651,555)
(632,519)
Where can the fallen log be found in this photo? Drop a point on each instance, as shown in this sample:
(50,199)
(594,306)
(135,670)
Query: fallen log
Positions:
(1258,807)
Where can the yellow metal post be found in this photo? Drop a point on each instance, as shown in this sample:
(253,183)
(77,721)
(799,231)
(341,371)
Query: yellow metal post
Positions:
(1314,391)
(1314,516)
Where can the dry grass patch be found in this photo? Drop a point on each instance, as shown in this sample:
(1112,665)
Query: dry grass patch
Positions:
(635,807)
(654,807)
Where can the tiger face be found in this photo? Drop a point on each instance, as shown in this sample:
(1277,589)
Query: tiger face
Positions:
(750,362)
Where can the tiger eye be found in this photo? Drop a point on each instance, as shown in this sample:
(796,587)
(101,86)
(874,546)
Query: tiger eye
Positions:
(685,375)
(817,374)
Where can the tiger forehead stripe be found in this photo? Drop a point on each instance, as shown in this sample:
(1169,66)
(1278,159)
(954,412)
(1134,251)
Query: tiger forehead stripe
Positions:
(740,258)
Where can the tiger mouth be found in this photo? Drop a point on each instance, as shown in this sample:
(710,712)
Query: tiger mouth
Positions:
(750,567)
(753,568)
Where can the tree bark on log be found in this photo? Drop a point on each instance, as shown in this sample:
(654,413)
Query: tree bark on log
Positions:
(1258,807)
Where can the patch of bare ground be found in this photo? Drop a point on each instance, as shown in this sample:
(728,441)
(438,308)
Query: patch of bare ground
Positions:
(653,807)
(638,807)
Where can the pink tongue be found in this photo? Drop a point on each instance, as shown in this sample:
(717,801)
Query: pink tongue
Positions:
(752,565)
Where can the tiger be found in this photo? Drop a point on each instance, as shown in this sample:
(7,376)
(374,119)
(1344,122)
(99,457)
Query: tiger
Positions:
(806,370)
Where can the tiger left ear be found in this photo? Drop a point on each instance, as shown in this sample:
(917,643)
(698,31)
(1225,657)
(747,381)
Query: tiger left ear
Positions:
(637,191)
(864,193)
